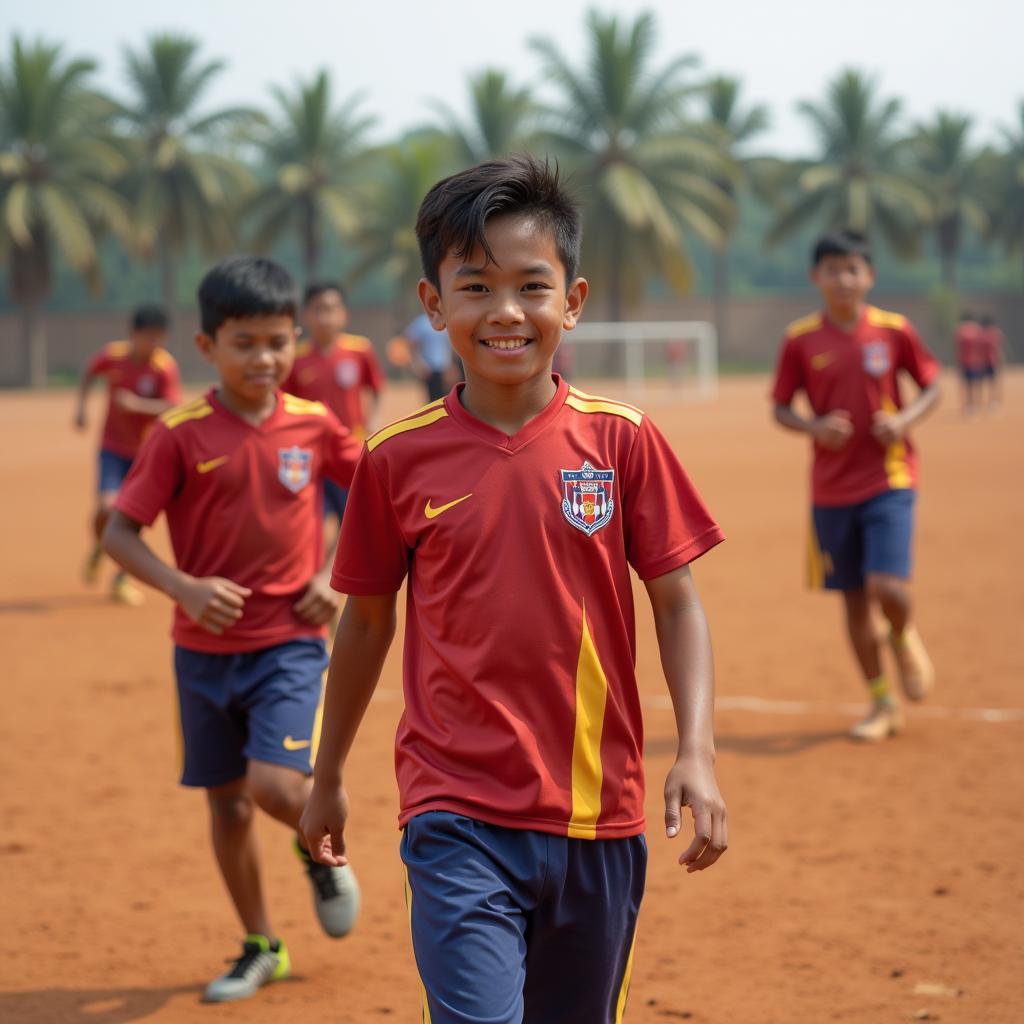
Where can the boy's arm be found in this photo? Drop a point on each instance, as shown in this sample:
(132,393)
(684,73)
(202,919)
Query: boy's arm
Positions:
(126,399)
(360,645)
(319,603)
(89,374)
(213,602)
(890,427)
(685,646)
(832,430)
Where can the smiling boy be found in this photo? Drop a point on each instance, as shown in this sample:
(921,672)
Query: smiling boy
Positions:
(516,506)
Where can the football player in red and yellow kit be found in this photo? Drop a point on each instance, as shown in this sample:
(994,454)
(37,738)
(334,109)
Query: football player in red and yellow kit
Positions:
(847,360)
(513,509)
(142,381)
(239,473)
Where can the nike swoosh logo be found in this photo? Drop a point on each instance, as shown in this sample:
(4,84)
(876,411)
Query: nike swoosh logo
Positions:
(289,744)
(821,360)
(432,513)
(205,467)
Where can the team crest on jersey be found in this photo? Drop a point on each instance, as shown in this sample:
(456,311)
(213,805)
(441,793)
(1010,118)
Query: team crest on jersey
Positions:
(294,467)
(346,373)
(146,385)
(877,358)
(587,501)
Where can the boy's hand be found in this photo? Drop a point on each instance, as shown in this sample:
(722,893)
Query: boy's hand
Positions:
(212,602)
(833,429)
(887,427)
(691,782)
(318,604)
(322,826)
(125,399)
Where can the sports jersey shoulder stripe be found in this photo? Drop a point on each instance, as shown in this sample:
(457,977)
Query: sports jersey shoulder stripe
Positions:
(883,318)
(162,359)
(197,409)
(427,415)
(295,406)
(582,402)
(804,325)
(117,349)
(303,349)
(354,343)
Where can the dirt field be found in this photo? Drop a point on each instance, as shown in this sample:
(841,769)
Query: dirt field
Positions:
(855,877)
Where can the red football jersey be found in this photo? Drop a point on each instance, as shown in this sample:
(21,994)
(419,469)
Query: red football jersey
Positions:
(123,431)
(337,378)
(521,704)
(992,341)
(971,346)
(243,502)
(856,371)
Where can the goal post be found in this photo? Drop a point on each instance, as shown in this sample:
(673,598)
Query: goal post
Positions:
(674,359)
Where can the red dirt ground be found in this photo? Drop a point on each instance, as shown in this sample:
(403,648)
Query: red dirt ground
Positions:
(855,874)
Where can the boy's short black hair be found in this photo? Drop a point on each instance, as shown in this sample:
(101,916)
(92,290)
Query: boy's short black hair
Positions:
(841,242)
(454,212)
(966,315)
(315,288)
(242,286)
(150,316)
(988,320)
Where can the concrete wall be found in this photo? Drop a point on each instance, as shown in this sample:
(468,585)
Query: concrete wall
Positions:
(755,329)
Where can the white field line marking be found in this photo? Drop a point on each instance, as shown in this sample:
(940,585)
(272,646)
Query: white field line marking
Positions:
(805,707)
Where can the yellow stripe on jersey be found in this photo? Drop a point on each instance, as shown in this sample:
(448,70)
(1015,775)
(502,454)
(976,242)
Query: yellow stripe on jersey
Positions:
(408,907)
(162,359)
(117,349)
(804,325)
(897,471)
(620,1005)
(427,415)
(197,409)
(302,406)
(883,318)
(354,342)
(587,771)
(585,403)
(303,349)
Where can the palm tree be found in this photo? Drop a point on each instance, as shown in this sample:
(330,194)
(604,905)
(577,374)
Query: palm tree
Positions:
(499,122)
(1005,177)
(315,158)
(732,128)
(386,238)
(182,188)
(951,172)
(861,178)
(58,162)
(646,178)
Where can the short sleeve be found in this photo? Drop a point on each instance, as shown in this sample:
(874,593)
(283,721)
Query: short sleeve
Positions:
(789,374)
(341,451)
(155,477)
(916,358)
(372,556)
(170,383)
(99,364)
(667,524)
(373,378)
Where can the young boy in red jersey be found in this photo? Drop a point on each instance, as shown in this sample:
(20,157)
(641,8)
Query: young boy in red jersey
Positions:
(338,369)
(864,477)
(143,382)
(971,358)
(515,506)
(238,473)
(993,343)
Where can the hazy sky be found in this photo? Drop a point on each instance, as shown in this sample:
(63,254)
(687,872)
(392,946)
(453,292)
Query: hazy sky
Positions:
(962,56)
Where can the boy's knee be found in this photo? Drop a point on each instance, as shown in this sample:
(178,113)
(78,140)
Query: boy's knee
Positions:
(276,792)
(231,810)
(885,589)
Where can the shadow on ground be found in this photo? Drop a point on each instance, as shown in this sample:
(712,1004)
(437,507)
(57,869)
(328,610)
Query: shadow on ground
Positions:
(781,744)
(98,1006)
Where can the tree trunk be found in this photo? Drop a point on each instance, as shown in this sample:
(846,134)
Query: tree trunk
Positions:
(721,288)
(614,363)
(311,243)
(33,341)
(168,282)
(949,248)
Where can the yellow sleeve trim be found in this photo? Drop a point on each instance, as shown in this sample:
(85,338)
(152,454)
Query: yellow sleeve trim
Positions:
(303,349)
(296,406)
(117,349)
(431,414)
(883,318)
(162,359)
(354,342)
(197,409)
(592,404)
(804,325)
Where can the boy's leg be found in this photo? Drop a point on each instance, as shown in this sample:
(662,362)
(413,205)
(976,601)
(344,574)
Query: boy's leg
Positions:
(471,888)
(581,936)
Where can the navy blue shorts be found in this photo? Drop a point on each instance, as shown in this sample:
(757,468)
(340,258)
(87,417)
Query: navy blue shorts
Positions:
(335,499)
(235,708)
(971,374)
(113,469)
(873,536)
(511,925)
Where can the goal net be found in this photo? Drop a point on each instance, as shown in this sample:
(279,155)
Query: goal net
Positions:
(652,360)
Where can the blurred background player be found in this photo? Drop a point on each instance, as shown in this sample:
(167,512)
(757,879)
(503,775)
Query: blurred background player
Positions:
(338,369)
(971,359)
(142,380)
(430,356)
(237,473)
(993,343)
(847,359)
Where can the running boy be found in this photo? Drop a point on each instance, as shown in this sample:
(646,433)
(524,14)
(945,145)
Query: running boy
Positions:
(338,369)
(142,379)
(515,506)
(971,358)
(846,359)
(238,474)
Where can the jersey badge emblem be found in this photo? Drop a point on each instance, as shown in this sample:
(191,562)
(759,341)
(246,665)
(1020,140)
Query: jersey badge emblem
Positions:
(587,501)
(294,467)
(877,360)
